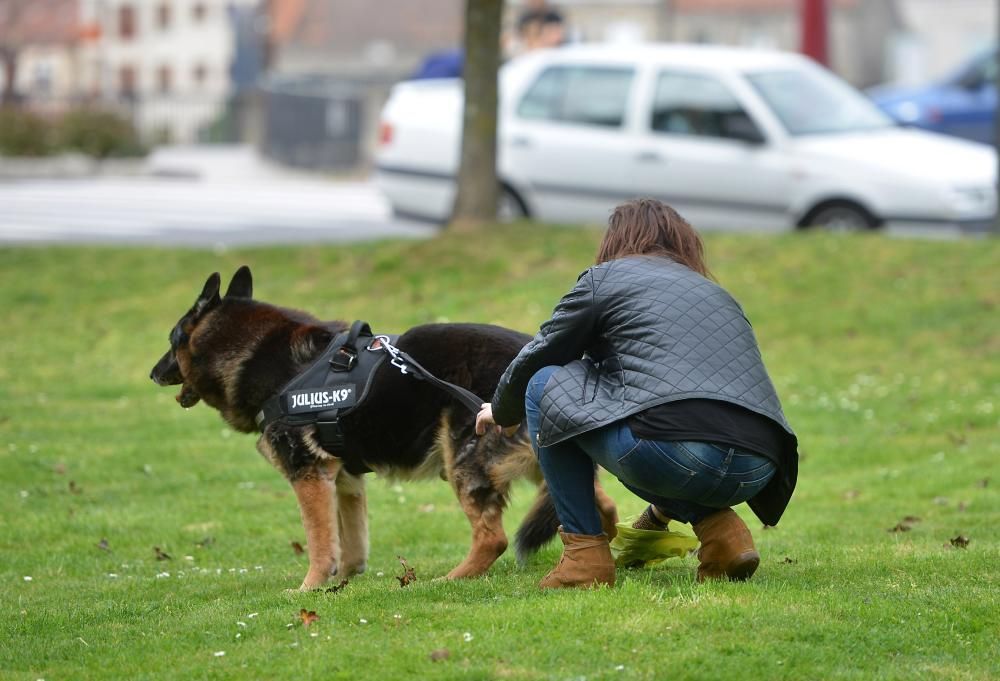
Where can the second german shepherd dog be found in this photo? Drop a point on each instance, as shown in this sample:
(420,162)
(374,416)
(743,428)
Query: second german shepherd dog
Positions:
(233,353)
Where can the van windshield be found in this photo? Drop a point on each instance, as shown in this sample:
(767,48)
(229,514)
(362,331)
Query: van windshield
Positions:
(812,102)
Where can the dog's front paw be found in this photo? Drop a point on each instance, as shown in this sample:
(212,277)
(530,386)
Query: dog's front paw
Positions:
(314,580)
(352,569)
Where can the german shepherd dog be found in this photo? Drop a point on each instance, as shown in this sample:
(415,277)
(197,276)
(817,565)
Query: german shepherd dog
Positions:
(233,353)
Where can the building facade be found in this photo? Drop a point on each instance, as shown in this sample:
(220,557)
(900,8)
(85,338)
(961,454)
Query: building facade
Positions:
(39,53)
(167,62)
(870,41)
(937,36)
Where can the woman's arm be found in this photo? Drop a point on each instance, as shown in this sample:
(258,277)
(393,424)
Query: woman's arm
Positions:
(560,340)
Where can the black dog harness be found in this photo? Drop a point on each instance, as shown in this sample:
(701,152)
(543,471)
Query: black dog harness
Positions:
(340,379)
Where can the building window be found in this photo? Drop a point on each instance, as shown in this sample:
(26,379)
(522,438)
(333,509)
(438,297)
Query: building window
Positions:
(164,80)
(200,74)
(163,16)
(127,81)
(199,11)
(126,22)
(42,79)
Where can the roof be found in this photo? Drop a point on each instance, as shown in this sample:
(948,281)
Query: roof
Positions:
(349,26)
(285,18)
(39,22)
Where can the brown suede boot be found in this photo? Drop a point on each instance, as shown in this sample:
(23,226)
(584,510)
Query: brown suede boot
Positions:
(726,547)
(586,561)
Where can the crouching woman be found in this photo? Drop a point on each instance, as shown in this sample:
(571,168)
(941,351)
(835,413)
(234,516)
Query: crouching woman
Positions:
(651,370)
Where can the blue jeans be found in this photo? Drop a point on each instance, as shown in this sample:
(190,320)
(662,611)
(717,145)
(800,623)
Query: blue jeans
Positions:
(687,480)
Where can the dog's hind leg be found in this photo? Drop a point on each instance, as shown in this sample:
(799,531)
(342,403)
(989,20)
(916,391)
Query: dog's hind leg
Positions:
(482,500)
(352,515)
(606,508)
(315,491)
(488,538)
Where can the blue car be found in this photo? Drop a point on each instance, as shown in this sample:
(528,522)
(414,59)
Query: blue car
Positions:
(964,104)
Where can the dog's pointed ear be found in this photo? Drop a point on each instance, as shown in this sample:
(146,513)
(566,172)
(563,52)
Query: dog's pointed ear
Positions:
(210,294)
(241,285)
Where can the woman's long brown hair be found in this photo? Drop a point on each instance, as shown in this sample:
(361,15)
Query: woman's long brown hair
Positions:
(651,227)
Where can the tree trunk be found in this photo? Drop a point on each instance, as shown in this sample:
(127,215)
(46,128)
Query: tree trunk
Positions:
(478,188)
(8,62)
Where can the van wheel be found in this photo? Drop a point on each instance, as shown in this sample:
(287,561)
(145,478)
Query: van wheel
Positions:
(510,207)
(840,216)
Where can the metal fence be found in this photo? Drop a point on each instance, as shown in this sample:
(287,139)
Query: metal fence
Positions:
(313,122)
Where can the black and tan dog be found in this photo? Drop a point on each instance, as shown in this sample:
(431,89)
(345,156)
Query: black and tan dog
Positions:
(234,353)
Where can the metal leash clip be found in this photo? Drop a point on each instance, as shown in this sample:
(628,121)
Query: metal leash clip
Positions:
(383,341)
(393,351)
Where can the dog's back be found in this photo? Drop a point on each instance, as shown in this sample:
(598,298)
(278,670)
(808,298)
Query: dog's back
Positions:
(397,426)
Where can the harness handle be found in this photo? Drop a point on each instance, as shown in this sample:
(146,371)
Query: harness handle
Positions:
(347,354)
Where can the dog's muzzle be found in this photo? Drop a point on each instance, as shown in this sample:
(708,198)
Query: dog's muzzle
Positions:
(168,372)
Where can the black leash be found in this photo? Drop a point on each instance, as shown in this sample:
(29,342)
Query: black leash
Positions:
(411,367)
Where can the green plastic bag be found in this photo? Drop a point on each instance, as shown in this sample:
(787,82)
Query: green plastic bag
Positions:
(646,548)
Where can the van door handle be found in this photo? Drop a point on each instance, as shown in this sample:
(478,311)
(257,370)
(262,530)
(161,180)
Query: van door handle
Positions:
(649,157)
(521,142)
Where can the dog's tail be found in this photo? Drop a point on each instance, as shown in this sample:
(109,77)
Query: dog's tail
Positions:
(539,526)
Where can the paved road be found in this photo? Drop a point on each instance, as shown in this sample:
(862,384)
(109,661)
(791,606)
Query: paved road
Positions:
(198,197)
(209,197)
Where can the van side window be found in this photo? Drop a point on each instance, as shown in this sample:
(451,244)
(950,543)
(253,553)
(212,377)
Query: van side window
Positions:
(579,94)
(696,105)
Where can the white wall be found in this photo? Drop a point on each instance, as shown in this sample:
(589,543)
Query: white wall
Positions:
(939,35)
(48,74)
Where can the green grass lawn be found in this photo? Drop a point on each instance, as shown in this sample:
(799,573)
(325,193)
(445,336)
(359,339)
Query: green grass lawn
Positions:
(885,353)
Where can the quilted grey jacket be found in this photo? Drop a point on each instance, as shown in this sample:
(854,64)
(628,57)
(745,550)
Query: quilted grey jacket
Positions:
(638,332)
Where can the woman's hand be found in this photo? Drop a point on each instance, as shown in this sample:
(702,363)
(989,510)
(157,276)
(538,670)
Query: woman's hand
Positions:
(484,421)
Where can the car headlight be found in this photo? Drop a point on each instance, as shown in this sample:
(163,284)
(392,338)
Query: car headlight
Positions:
(907,112)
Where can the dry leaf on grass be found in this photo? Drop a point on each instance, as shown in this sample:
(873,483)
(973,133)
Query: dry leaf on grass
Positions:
(297,547)
(960,542)
(335,589)
(73,489)
(905,525)
(207,541)
(409,575)
(308,616)
(440,654)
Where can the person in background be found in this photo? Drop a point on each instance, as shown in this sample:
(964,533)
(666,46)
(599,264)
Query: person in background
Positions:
(651,370)
(540,28)
(537,28)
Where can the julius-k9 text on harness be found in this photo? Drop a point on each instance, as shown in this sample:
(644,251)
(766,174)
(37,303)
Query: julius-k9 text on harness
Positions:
(339,380)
